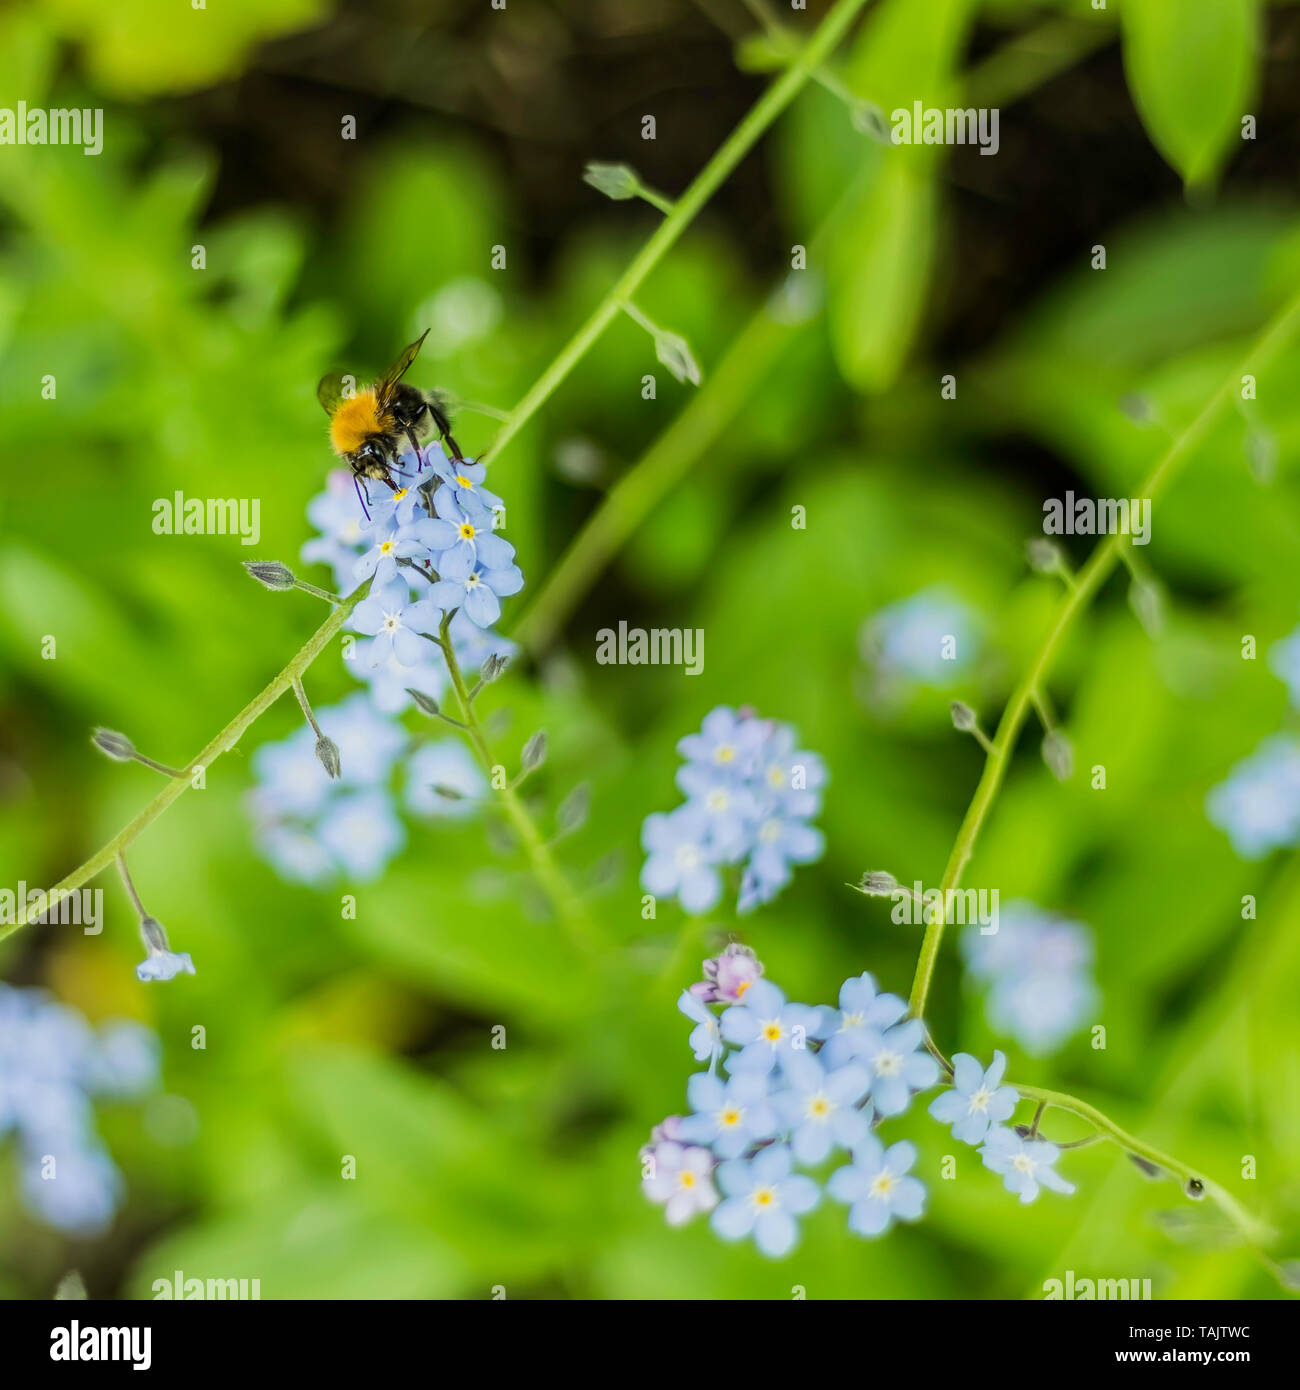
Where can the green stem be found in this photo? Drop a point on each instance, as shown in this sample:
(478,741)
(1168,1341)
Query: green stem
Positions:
(222,743)
(1090,580)
(728,155)
(565,901)
(1255,1231)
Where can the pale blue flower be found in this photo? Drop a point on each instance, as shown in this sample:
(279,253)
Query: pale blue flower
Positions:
(767,1029)
(1025,1164)
(876,1188)
(462,539)
(728,1115)
(819,1106)
(762,1198)
(398,624)
(862,1013)
(727,742)
(905,642)
(977,1099)
(164,965)
(362,832)
(463,486)
(898,1064)
(680,1180)
(1039,971)
(706,1037)
(1258,806)
(444,763)
(478,595)
(76,1189)
(678,862)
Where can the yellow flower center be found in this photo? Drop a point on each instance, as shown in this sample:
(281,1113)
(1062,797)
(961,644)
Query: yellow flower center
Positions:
(819,1107)
(742,987)
(730,1116)
(687,1178)
(764,1197)
(399,494)
(463,480)
(386,547)
(772,1032)
(466,531)
(725,754)
(882,1184)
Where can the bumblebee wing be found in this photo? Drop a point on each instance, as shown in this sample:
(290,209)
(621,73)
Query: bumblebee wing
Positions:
(384,387)
(330,392)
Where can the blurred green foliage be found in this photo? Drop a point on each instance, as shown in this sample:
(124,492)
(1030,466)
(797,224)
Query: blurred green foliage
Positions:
(328,1037)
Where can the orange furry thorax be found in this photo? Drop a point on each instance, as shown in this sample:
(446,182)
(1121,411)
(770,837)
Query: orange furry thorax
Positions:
(356,420)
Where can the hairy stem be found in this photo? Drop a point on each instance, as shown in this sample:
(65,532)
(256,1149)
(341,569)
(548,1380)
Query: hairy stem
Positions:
(568,906)
(1090,580)
(222,743)
(728,155)
(1255,1231)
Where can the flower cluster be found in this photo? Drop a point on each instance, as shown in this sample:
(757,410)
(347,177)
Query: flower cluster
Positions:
(53,1065)
(750,797)
(1038,970)
(1258,805)
(790,1085)
(430,548)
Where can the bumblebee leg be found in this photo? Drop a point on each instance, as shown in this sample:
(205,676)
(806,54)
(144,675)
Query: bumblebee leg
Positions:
(444,430)
(415,444)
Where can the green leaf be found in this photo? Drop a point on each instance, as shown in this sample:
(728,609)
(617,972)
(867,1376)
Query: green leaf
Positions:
(1191,67)
(877,273)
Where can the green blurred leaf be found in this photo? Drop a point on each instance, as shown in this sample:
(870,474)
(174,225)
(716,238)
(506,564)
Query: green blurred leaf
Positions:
(1191,66)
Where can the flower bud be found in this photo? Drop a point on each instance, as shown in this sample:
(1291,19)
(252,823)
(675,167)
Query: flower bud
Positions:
(1195,1189)
(153,934)
(963,717)
(448,793)
(617,181)
(113,745)
(271,573)
(572,812)
(1058,755)
(492,668)
(327,754)
(877,884)
(534,754)
(426,704)
(1044,556)
(675,353)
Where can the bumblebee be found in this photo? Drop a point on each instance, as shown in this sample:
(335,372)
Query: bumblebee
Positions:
(370,427)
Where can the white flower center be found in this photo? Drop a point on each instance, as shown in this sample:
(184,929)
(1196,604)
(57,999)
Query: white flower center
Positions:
(820,1107)
(889,1064)
(980,1100)
(687,857)
(770,831)
(1022,1163)
(882,1185)
(719,800)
